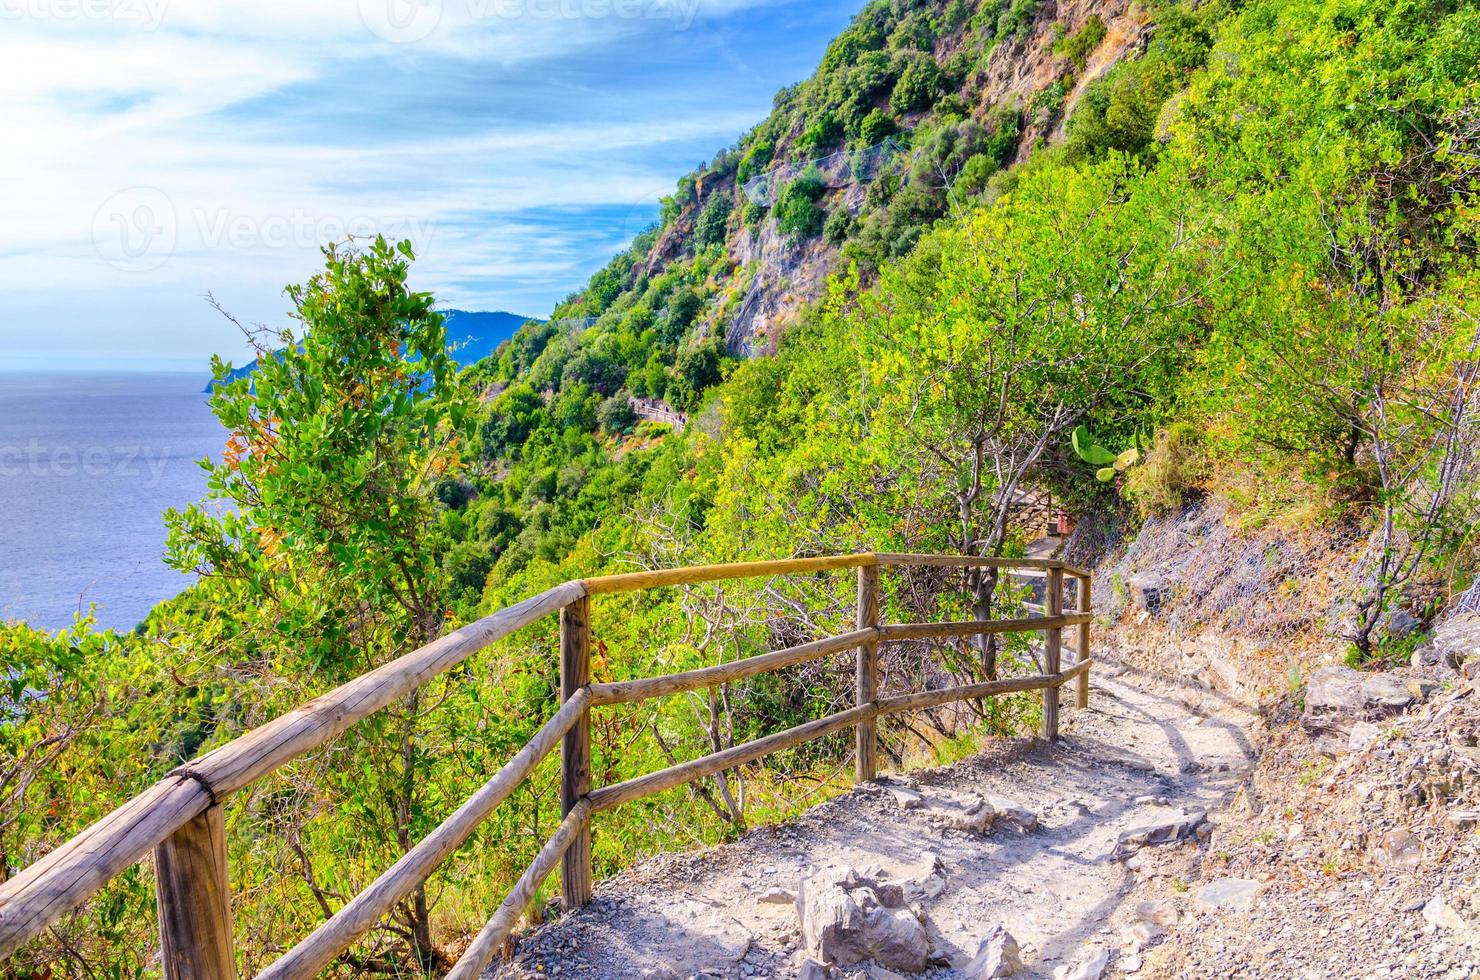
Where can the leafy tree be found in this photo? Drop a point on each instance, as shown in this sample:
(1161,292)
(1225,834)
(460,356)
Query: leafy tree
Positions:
(713,220)
(512,418)
(755,160)
(876,127)
(697,369)
(920,83)
(616,415)
(798,214)
(824,134)
(318,554)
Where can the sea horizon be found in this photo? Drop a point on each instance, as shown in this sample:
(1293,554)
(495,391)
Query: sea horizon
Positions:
(89,461)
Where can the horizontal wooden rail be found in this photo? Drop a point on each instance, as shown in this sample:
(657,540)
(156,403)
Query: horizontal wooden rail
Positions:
(619,692)
(933,631)
(974,561)
(965,692)
(1065,676)
(165,816)
(635,581)
(341,929)
(686,772)
(65,878)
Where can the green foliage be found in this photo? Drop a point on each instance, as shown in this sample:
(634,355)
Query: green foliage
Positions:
(713,220)
(1017,19)
(683,198)
(920,82)
(319,550)
(697,369)
(798,215)
(1121,110)
(755,160)
(616,415)
(824,134)
(1078,46)
(877,126)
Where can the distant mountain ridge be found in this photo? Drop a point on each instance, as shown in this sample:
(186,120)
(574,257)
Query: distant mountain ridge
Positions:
(472,335)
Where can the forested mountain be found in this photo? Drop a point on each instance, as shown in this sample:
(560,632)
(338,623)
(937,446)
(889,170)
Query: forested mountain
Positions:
(1123,255)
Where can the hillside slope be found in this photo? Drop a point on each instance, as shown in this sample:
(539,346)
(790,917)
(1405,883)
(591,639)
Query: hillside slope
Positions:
(919,113)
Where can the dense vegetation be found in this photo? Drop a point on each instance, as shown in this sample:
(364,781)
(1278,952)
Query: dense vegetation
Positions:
(1246,269)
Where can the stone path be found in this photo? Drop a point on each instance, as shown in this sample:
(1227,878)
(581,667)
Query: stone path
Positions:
(1148,759)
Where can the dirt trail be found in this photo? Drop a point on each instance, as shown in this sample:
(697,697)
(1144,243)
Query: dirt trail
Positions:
(1146,748)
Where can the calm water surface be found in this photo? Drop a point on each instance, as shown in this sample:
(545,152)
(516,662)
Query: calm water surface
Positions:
(88,464)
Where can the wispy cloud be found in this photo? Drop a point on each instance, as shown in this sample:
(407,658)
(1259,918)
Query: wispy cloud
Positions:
(161,149)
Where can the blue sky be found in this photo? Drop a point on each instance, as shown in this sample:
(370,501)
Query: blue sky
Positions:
(160,150)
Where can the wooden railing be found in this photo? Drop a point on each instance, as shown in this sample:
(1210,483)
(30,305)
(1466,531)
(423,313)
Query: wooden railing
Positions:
(180,820)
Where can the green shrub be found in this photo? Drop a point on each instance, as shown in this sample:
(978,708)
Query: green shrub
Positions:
(1005,124)
(972,179)
(1080,45)
(876,127)
(713,220)
(616,415)
(1017,19)
(697,369)
(920,83)
(798,214)
(839,227)
(824,134)
(756,159)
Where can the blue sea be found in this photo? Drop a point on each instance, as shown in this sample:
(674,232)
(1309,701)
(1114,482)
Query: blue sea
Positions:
(88,464)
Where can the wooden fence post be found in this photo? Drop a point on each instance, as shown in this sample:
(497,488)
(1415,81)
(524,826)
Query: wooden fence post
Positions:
(194,898)
(1086,605)
(866,675)
(1053,641)
(575,754)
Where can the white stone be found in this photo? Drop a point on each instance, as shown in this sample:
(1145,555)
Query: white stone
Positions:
(1088,965)
(997,956)
(1229,894)
(907,799)
(849,921)
(1013,814)
(1437,913)
(1161,912)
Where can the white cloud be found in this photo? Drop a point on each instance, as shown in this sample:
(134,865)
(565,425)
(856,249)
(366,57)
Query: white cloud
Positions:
(163,148)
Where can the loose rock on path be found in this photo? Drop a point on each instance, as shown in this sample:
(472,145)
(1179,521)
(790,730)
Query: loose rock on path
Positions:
(926,872)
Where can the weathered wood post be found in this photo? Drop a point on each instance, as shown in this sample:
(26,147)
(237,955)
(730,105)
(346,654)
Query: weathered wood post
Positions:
(1053,641)
(194,898)
(1086,605)
(866,674)
(575,754)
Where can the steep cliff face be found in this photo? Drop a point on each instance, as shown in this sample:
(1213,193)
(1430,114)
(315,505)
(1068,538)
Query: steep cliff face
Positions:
(916,109)
(1028,79)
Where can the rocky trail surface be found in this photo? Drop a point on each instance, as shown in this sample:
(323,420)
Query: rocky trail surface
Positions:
(1023,860)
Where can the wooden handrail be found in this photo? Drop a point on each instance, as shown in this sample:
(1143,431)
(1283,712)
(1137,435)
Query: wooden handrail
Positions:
(319,948)
(179,818)
(707,765)
(636,581)
(65,878)
(620,692)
